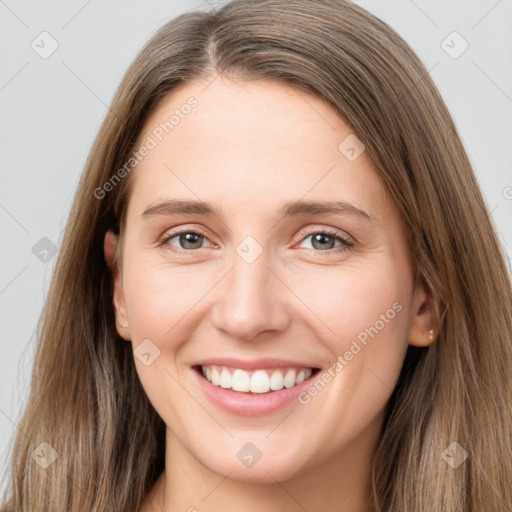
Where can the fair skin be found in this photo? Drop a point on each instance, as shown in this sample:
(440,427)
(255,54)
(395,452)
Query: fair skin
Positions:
(248,148)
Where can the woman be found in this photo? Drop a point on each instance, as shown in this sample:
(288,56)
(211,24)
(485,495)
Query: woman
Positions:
(340,336)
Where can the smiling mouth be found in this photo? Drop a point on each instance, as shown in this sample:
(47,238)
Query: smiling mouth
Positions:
(261,381)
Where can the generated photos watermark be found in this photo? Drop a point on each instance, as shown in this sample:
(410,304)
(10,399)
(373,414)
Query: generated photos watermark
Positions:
(151,142)
(341,361)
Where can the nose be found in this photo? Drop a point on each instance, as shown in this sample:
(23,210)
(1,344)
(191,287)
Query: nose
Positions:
(252,300)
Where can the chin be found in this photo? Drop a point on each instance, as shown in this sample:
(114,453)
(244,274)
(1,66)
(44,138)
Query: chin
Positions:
(263,461)
(263,472)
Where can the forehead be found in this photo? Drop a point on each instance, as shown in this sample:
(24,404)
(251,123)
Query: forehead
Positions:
(267,111)
(248,142)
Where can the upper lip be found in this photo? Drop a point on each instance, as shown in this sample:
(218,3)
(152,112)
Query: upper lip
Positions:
(252,364)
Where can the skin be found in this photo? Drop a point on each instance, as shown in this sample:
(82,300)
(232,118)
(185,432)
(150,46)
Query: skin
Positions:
(248,148)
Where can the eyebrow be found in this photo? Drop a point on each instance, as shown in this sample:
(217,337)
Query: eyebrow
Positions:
(289,209)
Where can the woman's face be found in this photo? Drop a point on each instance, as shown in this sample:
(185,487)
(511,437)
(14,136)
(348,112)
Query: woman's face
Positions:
(298,286)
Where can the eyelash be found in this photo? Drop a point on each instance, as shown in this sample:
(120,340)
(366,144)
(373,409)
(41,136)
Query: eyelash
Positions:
(346,244)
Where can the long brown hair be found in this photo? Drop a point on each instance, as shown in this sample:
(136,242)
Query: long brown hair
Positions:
(86,400)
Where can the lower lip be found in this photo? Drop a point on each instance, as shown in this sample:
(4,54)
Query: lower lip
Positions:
(245,404)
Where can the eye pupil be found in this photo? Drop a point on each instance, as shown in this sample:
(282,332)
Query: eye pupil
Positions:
(190,238)
(323,239)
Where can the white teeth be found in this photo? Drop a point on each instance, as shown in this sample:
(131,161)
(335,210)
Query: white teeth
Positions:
(289,379)
(276,381)
(215,377)
(259,381)
(240,381)
(225,379)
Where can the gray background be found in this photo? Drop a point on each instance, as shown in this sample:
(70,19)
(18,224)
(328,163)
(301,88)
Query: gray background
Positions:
(50,110)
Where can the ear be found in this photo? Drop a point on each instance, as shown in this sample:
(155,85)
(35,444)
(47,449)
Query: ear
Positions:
(109,248)
(425,309)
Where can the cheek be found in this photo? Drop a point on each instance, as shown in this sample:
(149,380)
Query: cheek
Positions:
(353,300)
(363,312)
(364,316)
(161,299)
(162,304)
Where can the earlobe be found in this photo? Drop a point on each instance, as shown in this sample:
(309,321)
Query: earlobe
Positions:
(424,327)
(109,248)
(122,326)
